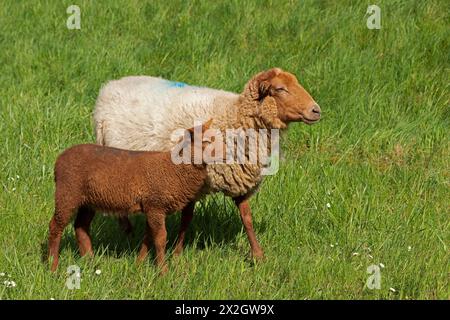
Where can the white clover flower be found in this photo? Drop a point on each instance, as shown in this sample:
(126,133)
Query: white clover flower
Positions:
(98,272)
(381,265)
(9,284)
(328,205)
(332,245)
(2,274)
(409,248)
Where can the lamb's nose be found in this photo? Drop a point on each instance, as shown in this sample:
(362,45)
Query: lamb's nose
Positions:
(316,109)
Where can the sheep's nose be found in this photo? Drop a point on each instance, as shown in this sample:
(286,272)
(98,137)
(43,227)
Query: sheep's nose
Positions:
(316,109)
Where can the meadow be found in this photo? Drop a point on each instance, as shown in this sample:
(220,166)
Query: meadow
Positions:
(366,186)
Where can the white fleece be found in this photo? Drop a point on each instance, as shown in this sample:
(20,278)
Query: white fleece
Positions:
(141,112)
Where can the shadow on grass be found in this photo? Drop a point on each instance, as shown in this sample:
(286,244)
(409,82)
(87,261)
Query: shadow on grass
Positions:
(216,222)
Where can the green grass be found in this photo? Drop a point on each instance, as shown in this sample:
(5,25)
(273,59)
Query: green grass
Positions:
(379,157)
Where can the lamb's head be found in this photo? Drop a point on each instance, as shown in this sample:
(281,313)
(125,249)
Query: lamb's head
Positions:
(293,102)
(194,143)
(197,139)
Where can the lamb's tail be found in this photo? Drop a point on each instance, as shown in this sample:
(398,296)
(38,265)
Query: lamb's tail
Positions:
(99,132)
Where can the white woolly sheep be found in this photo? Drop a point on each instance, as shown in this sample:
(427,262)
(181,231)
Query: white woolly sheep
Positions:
(141,113)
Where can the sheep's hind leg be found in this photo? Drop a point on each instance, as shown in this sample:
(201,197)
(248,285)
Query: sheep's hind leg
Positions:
(246,217)
(81,225)
(186,217)
(58,223)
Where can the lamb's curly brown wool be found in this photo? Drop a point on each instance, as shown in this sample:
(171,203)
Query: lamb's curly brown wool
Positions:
(90,177)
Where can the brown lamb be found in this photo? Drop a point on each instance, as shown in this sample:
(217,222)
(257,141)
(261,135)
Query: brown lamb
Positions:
(90,177)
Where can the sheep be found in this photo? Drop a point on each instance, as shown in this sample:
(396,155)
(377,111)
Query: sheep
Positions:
(141,112)
(90,177)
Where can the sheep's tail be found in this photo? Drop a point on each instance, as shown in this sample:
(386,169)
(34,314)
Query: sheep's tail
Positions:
(99,133)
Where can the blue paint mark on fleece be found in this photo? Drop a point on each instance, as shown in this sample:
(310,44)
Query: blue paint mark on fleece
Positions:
(176,84)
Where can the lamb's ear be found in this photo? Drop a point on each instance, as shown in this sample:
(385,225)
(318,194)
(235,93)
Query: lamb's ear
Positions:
(259,85)
(191,132)
(206,125)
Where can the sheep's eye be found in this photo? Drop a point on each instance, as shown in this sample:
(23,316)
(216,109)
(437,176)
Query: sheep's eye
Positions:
(280,89)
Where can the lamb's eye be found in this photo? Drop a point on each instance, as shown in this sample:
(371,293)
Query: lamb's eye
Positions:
(280,89)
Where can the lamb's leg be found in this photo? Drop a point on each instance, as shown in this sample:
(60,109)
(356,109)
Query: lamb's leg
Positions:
(81,225)
(126,225)
(60,220)
(246,217)
(157,226)
(186,217)
(143,252)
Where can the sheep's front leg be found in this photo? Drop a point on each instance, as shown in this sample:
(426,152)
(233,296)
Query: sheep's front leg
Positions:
(246,217)
(186,217)
(145,246)
(156,222)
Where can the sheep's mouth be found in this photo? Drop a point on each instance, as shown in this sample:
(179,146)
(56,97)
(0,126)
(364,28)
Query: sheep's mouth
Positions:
(299,117)
(309,121)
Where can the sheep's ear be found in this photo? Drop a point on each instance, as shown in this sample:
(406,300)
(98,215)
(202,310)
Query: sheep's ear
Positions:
(191,132)
(260,85)
(206,125)
(269,74)
(265,83)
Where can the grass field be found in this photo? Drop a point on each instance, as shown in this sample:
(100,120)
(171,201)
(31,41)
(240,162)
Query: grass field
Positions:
(369,184)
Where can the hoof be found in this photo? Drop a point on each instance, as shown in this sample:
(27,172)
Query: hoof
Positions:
(258,256)
(163,271)
(178,251)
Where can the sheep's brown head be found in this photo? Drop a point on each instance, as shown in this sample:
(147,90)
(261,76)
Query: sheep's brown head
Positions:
(293,102)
